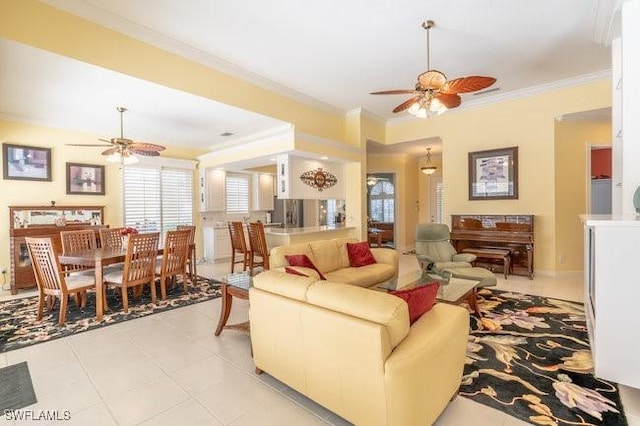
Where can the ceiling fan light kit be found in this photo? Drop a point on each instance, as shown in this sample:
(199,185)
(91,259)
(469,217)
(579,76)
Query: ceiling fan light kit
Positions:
(433,93)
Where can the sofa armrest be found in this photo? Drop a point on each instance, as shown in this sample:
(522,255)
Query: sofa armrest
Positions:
(387,256)
(463,257)
(427,365)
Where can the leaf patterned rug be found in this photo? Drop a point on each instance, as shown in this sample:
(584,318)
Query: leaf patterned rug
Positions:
(529,357)
(19,328)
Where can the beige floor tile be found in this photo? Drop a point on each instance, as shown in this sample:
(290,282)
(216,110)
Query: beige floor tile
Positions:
(204,374)
(43,356)
(3,360)
(58,377)
(181,352)
(278,411)
(98,343)
(189,412)
(146,401)
(633,420)
(235,396)
(75,398)
(115,377)
(307,403)
(463,411)
(98,415)
(630,400)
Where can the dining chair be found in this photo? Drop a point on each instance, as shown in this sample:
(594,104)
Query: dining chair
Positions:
(73,241)
(258,246)
(51,280)
(238,245)
(139,267)
(174,259)
(191,257)
(110,237)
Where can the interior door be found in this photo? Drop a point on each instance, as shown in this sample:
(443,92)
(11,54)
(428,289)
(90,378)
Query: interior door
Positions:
(436,198)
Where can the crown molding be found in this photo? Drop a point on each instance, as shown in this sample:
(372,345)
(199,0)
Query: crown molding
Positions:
(606,21)
(517,94)
(269,134)
(328,142)
(139,32)
(246,144)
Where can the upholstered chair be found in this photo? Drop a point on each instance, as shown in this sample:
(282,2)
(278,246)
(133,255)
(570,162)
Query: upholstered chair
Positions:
(434,251)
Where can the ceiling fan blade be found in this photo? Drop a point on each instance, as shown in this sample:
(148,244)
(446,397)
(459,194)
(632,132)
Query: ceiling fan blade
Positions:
(106,140)
(145,153)
(406,104)
(148,147)
(394,92)
(468,84)
(450,100)
(110,151)
(86,144)
(431,80)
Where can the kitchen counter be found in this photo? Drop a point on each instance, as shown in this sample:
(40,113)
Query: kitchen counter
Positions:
(285,236)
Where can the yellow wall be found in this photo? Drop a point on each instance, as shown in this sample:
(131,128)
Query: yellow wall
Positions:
(527,123)
(38,193)
(572,140)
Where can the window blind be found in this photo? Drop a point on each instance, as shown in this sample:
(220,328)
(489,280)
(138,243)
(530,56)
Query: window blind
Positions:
(237,194)
(157,199)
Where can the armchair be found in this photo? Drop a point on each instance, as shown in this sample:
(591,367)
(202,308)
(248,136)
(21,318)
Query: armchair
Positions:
(434,251)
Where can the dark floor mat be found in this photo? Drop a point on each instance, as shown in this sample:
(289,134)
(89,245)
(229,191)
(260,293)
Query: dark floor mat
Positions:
(16,390)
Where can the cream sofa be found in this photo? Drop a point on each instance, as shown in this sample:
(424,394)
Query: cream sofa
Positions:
(331,258)
(352,350)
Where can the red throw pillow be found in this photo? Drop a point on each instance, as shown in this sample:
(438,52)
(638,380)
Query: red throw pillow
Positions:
(360,254)
(303,260)
(419,299)
(294,272)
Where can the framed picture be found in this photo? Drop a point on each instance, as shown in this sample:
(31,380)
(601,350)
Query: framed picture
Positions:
(493,174)
(85,179)
(26,162)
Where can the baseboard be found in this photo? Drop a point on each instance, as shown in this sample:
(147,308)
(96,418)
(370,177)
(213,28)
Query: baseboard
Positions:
(559,274)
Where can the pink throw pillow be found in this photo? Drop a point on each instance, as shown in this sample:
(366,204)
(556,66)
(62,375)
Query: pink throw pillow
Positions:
(360,254)
(303,260)
(419,299)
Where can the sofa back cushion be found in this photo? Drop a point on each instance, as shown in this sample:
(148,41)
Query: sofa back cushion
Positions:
(378,307)
(277,255)
(331,255)
(288,285)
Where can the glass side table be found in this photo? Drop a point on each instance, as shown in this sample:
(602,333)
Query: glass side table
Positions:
(233,285)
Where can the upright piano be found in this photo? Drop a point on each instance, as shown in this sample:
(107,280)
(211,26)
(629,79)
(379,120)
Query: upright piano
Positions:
(513,232)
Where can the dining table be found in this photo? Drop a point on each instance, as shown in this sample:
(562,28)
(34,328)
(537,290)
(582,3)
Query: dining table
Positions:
(97,259)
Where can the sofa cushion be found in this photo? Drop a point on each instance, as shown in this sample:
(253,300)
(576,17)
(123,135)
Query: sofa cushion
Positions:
(365,276)
(378,307)
(302,271)
(288,285)
(419,299)
(304,261)
(328,255)
(277,254)
(360,254)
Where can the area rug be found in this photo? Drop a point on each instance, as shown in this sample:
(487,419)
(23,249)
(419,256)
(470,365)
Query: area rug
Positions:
(529,357)
(19,328)
(17,389)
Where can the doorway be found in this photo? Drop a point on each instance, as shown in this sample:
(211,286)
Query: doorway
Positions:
(599,183)
(381,205)
(436,198)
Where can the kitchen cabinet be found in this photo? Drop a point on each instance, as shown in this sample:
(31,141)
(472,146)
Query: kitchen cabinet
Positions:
(222,243)
(262,192)
(212,190)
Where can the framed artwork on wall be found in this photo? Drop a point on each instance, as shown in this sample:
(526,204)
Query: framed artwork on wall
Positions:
(493,174)
(26,162)
(85,179)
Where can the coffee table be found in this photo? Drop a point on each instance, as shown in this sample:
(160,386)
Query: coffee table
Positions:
(452,290)
(233,285)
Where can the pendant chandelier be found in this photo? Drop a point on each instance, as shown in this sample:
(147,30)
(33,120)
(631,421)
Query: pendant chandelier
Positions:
(429,168)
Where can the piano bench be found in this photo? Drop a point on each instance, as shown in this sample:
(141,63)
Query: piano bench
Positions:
(493,254)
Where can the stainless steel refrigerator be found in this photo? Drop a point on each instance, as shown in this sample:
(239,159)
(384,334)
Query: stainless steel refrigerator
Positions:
(288,212)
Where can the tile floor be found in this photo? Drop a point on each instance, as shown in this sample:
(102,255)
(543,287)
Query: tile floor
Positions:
(170,369)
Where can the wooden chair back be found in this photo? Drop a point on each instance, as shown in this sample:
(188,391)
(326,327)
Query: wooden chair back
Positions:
(191,229)
(258,246)
(140,260)
(73,241)
(110,237)
(45,266)
(174,258)
(238,245)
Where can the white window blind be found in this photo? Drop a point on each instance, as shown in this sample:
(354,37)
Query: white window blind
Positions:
(439,202)
(237,193)
(157,199)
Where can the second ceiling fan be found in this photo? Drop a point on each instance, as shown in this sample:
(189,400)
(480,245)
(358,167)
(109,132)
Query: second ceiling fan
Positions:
(433,93)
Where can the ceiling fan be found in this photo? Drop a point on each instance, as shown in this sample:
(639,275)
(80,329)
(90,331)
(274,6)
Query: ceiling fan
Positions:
(433,93)
(122,150)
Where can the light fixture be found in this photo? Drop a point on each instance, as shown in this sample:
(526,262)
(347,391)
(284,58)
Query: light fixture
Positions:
(371,180)
(429,169)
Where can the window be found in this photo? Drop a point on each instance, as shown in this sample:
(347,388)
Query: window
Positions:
(157,199)
(381,201)
(237,193)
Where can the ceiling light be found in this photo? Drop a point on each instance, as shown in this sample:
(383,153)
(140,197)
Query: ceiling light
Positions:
(371,180)
(429,168)
(324,157)
(273,159)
